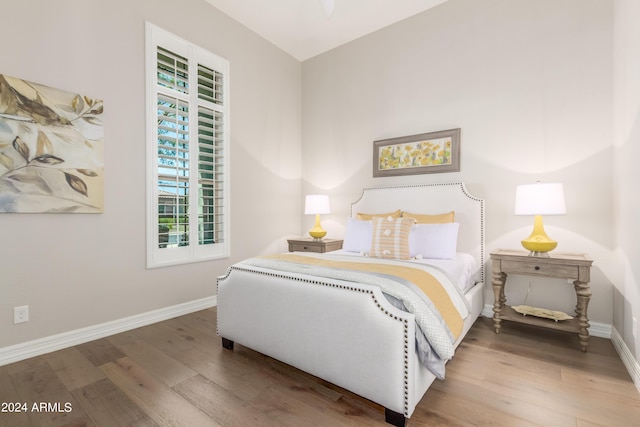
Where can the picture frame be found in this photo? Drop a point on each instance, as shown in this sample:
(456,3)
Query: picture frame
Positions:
(433,152)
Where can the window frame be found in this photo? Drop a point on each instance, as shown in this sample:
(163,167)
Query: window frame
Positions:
(193,252)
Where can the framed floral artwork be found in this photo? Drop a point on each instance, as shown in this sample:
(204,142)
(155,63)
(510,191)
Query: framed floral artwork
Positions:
(433,152)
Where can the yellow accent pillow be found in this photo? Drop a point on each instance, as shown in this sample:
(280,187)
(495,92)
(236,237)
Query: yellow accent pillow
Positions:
(430,219)
(390,237)
(367,217)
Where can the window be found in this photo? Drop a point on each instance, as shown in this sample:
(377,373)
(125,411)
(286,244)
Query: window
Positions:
(187,151)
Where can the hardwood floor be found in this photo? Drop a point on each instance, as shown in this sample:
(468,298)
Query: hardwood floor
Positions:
(176,373)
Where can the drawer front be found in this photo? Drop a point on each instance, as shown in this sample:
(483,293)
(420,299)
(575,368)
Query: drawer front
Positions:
(333,246)
(301,247)
(533,268)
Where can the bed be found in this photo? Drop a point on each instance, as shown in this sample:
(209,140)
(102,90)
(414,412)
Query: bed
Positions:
(339,325)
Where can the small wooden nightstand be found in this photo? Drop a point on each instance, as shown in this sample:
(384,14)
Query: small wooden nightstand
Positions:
(311,245)
(565,266)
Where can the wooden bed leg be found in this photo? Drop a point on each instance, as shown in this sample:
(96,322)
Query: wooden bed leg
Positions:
(228,344)
(394,418)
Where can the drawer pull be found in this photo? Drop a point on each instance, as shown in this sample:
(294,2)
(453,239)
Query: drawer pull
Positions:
(305,248)
(537,267)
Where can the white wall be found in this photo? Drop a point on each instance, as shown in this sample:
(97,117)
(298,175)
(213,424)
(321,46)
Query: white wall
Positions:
(79,270)
(626,175)
(531,85)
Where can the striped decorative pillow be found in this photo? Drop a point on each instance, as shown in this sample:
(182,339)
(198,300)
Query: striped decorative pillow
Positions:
(390,237)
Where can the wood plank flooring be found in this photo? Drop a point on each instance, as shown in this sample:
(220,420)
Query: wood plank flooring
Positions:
(176,373)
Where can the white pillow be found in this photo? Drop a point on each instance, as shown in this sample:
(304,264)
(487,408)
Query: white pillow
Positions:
(439,241)
(357,236)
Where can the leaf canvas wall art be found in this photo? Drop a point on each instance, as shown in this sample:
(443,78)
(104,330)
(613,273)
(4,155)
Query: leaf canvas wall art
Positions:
(51,149)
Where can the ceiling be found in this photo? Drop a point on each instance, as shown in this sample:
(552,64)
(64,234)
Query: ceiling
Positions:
(303,28)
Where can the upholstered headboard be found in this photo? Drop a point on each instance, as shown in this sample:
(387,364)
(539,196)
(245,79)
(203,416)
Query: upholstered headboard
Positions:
(433,199)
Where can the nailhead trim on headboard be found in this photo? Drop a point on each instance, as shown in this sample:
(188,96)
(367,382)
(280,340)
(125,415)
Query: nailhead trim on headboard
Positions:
(446,184)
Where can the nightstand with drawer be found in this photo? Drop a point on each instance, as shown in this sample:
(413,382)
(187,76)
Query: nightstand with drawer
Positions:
(313,245)
(576,267)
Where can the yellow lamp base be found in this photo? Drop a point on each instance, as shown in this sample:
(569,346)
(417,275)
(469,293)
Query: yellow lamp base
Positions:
(538,243)
(317,232)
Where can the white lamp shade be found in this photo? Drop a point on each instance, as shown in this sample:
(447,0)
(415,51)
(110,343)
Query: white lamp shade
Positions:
(316,204)
(540,199)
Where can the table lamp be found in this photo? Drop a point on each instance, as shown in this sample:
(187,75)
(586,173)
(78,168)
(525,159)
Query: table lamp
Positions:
(539,199)
(317,204)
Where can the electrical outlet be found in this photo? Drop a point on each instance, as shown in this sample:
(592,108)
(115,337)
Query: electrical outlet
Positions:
(634,327)
(21,314)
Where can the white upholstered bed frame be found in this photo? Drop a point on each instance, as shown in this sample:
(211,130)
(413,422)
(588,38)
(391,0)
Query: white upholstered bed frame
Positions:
(334,329)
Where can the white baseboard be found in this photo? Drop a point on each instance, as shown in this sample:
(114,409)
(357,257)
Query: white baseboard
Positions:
(596,329)
(15,353)
(627,357)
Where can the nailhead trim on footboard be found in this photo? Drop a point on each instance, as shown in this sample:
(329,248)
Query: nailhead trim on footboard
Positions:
(404,322)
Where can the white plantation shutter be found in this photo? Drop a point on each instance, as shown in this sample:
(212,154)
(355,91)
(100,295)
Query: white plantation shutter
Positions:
(187,128)
(173,70)
(210,85)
